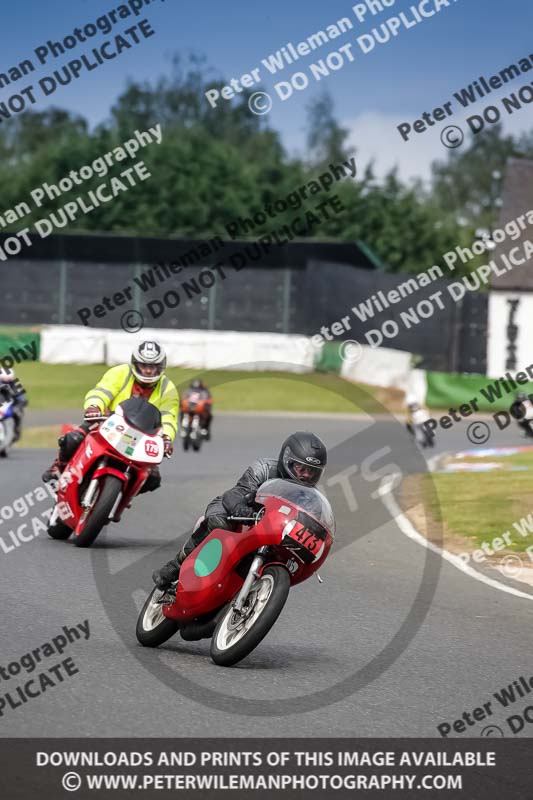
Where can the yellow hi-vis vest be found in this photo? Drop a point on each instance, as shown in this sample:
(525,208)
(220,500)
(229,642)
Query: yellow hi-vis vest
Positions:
(116,385)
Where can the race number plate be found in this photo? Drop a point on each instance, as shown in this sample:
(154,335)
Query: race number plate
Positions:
(305,541)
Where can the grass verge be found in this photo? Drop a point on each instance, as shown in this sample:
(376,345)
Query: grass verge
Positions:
(64,386)
(474,509)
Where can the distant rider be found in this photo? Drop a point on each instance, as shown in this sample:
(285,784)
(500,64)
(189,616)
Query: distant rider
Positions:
(413,406)
(197,387)
(12,389)
(522,410)
(303,458)
(144,377)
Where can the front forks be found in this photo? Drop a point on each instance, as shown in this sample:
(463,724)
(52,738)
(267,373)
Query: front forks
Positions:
(253,574)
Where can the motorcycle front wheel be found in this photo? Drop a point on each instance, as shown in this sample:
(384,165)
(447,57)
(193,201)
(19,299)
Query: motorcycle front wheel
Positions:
(99,513)
(59,530)
(237,634)
(153,628)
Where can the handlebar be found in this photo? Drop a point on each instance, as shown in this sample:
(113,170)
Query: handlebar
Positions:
(254,519)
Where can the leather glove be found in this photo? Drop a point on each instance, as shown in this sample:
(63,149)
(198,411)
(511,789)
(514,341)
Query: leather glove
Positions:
(169,447)
(92,413)
(244,510)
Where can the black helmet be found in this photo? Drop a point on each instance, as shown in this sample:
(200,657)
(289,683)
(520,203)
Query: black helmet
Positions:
(303,458)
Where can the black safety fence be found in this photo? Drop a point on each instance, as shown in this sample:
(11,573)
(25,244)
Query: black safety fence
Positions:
(337,291)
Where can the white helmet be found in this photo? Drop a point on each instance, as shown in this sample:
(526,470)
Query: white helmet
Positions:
(148,362)
(7,375)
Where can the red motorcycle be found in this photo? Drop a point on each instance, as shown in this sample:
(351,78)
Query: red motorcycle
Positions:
(233,587)
(194,408)
(107,471)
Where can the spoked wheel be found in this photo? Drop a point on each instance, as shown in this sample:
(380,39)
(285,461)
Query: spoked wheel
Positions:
(237,634)
(153,628)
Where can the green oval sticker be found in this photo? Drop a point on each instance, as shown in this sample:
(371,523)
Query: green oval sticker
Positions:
(208,558)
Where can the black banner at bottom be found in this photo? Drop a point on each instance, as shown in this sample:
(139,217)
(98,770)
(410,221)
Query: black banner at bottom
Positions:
(265,768)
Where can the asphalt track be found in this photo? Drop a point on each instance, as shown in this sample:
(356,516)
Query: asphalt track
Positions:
(393,643)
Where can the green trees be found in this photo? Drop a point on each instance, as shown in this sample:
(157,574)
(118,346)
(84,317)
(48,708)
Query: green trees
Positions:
(217,164)
(467,186)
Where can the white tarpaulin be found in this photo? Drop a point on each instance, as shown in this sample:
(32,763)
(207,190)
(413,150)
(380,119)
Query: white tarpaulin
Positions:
(73,344)
(77,344)
(377,366)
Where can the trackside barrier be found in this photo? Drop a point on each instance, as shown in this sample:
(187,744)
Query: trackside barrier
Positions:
(73,344)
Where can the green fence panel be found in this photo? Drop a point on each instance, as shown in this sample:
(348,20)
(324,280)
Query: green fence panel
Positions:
(448,390)
(18,347)
(330,358)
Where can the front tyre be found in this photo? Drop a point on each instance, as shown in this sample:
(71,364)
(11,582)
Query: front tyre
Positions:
(59,530)
(237,635)
(153,628)
(99,513)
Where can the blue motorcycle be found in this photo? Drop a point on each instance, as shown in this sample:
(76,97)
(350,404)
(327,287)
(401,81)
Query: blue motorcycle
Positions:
(7,426)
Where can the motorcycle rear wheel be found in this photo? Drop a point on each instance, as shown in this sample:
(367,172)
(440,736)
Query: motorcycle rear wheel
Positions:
(236,636)
(99,514)
(153,628)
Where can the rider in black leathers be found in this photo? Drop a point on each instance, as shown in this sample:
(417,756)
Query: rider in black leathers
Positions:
(303,458)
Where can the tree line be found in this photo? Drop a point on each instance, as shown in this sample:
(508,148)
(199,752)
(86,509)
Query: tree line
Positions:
(215,165)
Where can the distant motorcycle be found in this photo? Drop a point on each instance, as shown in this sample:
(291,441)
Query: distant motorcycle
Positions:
(423,436)
(526,421)
(193,409)
(7,427)
(107,471)
(232,588)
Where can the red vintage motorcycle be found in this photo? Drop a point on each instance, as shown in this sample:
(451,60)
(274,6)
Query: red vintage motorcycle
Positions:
(233,587)
(107,471)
